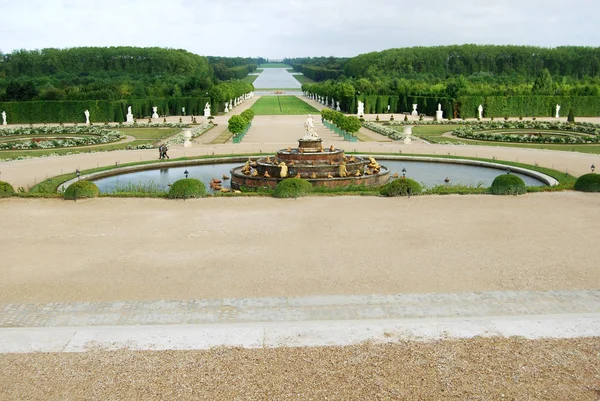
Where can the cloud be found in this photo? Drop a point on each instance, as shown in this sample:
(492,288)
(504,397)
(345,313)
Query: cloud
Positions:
(276,28)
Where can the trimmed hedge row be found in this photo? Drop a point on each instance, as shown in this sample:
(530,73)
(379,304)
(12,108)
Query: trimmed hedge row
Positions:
(402,187)
(100,110)
(527,106)
(292,188)
(241,71)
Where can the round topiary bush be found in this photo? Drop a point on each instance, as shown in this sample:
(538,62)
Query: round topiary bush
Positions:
(81,189)
(508,184)
(588,183)
(292,188)
(401,187)
(187,188)
(6,189)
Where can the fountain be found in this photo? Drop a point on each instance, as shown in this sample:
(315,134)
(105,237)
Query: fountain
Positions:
(326,167)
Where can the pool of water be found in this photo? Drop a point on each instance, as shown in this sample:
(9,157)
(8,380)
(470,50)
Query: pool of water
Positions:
(271,78)
(432,174)
(426,173)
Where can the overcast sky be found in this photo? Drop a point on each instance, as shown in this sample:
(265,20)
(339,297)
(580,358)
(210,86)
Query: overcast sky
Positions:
(291,28)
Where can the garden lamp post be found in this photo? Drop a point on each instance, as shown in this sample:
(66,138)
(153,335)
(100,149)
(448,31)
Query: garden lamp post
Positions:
(593,168)
(186,173)
(78,173)
(403,172)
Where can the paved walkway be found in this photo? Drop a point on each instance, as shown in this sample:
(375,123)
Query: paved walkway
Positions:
(295,321)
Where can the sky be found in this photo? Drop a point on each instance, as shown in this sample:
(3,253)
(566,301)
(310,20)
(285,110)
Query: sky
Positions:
(276,29)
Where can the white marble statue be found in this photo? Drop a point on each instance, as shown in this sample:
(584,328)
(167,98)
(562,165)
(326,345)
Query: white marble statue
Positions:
(439,114)
(154,112)
(414,111)
(230,104)
(226,107)
(557,115)
(309,126)
(332,103)
(407,133)
(361,108)
(480,112)
(129,115)
(338,106)
(207,110)
(87,116)
(388,108)
(3,118)
(183,111)
(187,135)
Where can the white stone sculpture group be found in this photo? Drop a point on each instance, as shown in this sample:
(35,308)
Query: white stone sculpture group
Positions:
(309,126)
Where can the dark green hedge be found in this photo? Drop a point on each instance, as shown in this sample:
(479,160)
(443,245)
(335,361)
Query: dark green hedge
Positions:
(319,73)
(81,189)
(402,187)
(588,183)
(101,111)
(187,188)
(6,189)
(508,184)
(527,106)
(241,71)
(292,188)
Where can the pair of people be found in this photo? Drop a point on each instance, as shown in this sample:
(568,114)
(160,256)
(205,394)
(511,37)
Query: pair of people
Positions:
(162,152)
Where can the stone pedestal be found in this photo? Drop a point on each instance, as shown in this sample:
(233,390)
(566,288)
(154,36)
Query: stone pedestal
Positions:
(129,118)
(439,115)
(187,135)
(310,145)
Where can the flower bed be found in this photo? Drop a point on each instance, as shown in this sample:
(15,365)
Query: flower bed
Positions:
(93,136)
(584,133)
(383,130)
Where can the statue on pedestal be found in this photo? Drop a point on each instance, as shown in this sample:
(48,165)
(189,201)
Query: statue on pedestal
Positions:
(207,110)
(309,126)
(361,108)
(154,112)
(414,111)
(557,111)
(129,115)
(3,118)
(87,116)
(226,107)
(480,112)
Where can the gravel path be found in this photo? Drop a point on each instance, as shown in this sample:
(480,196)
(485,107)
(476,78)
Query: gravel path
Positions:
(153,249)
(476,369)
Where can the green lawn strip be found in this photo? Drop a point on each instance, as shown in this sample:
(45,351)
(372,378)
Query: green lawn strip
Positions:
(362,137)
(249,78)
(278,89)
(303,79)
(282,105)
(224,137)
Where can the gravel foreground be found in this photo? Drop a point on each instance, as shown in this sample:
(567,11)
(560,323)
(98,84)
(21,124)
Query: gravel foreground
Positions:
(474,369)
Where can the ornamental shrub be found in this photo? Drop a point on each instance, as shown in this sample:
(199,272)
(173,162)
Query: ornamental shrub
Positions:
(187,188)
(81,189)
(588,183)
(401,187)
(292,188)
(6,189)
(571,116)
(508,184)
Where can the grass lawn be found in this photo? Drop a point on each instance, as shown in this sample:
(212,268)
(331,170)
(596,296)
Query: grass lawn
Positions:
(282,105)
(274,65)
(249,78)
(433,133)
(303,79)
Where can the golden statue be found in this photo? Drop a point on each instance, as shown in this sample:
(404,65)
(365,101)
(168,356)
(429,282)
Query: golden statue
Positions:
(357,174)
(331,148)
(329,175)
(343,172)
(313,175)
(266,174)
(255,173)
(283,170)
(246,169)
